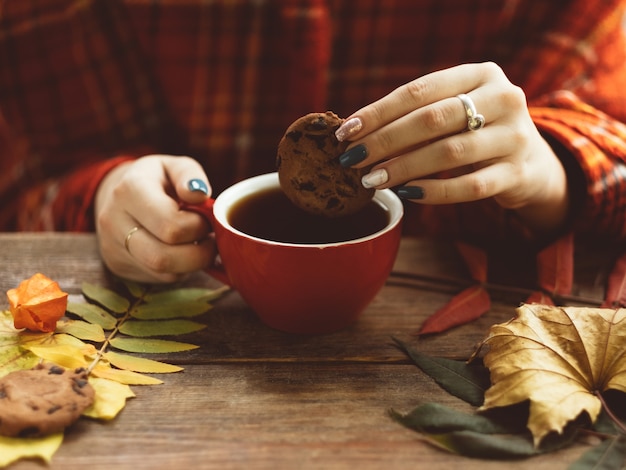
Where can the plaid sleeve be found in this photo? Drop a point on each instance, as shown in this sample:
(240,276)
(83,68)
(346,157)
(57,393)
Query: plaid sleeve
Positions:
(74,92)
(597,143)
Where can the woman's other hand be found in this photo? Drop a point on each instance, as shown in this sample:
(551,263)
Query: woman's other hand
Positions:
(142,232)
(422,129)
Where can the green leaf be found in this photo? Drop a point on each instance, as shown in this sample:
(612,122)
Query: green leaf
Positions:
(160,327)
(167,310)
(140,345)
(106,297)
(92,313)
(81,330)
(434,418)
(136,290)
(465,381)
(140,364)
(485,446)
(184,294)
(609,455)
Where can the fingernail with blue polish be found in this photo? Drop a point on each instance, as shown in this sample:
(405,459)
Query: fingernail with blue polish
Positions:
(353,156)
(410,192)
(197,185)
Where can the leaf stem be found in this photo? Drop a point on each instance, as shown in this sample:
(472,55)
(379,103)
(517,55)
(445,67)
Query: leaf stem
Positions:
(111,335)
(610,414)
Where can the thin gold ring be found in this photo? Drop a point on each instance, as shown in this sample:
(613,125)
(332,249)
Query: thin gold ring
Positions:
(475,121)
(127,239)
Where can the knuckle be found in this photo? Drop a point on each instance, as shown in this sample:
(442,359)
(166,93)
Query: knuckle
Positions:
(517,137)
(454,151)
(492,70)
(434,118)
(399,169)
(478,187)
(171,233)
(158,262)
(417,90)
(384,142)
(513,97)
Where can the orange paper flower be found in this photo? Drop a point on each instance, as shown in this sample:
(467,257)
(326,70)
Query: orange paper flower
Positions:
(37,303)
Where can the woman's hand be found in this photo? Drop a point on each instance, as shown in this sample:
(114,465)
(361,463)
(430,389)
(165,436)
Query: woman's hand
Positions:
(421,129)
(168,242)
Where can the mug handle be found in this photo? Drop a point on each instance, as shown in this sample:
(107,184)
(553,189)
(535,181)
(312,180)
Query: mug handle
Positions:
(215,270)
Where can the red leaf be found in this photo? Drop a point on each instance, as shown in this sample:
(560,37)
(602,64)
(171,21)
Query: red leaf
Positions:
(464,307)
(539,297)
(475,260)
(616,285)
(555,266)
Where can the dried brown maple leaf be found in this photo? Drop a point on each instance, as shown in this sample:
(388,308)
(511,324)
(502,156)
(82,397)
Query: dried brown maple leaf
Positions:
(558,358)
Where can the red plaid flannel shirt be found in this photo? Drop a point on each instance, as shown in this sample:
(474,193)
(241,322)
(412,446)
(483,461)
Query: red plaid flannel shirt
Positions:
(87,84)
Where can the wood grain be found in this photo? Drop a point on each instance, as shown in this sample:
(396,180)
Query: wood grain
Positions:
(252,397)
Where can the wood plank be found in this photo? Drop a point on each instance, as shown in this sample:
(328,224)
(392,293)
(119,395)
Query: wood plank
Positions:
(268,415)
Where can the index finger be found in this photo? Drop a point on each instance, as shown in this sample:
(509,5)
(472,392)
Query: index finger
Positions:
(420,92)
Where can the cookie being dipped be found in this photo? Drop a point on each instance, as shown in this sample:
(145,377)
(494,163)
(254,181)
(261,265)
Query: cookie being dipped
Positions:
(309,171)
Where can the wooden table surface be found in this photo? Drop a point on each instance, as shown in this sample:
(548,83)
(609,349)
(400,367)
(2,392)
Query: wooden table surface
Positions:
(252,397)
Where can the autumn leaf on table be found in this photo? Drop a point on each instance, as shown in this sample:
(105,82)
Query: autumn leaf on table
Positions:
(468,304)
(560,359)
(555,270)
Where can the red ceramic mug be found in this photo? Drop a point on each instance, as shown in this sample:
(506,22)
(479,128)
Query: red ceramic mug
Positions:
(302,288)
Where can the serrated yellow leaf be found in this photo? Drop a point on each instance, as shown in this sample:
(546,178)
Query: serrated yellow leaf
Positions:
(12,356)
(109,400)
(557,358)
(64,350)
(143,345)
(124,376)
(92,313)
(140,364)
(13,449)
(160,327)
(61,355)
(81,330)
(107,298)
(12,359)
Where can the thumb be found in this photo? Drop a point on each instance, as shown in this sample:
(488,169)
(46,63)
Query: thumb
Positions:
(188,178)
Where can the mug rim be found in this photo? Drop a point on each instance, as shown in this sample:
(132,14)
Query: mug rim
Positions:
(386,197)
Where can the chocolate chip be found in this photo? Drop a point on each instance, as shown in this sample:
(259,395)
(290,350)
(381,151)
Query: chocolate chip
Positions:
(56,370)
(295,136)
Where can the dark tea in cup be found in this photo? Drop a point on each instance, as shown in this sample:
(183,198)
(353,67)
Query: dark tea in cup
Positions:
(270,215)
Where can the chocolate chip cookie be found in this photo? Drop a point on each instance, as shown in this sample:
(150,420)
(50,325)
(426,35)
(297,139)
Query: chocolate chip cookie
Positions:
(42,400)
(309,170)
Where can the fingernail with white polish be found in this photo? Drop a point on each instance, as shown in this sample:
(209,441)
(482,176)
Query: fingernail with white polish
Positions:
(375,178)
(348,129)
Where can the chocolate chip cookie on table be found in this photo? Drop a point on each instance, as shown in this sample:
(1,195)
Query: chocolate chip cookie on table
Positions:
(309,170)
(42,400)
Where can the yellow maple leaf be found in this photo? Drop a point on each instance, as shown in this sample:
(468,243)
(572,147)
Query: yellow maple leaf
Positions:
(558,358)
(110,398)
(13,449)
